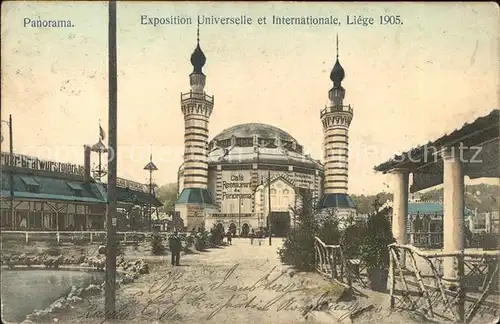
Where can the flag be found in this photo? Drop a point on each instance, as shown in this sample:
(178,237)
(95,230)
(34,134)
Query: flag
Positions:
(102,134)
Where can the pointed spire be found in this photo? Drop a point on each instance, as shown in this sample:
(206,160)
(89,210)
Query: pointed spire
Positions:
(337,46)
(198,58)
(337,74)
(198,34)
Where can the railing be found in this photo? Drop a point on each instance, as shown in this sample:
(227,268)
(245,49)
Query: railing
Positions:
(197,95)
(338,108)
(432,295)
(71,236)
(430,240)
(329,262)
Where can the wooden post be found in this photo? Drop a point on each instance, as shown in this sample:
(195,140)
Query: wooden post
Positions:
(461,287)
(110,288)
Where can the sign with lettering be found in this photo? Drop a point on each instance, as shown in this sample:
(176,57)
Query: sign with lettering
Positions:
(236,186)
(303,180)
(33,163)
(123,183)
(194,211)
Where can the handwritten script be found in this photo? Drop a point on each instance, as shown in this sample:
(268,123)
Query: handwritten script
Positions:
(179,292)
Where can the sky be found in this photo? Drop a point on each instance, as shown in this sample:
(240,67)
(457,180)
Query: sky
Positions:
(407,84)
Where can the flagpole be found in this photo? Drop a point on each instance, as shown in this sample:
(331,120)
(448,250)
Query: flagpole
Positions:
(110,290)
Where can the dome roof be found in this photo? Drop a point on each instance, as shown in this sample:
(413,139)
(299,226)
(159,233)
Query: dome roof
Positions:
(251,129)
(198,59)
(337,74)
(237,144)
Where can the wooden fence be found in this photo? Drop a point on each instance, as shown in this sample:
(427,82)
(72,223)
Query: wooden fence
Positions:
(417,282)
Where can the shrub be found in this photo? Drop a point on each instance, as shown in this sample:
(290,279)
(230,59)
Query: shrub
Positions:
(329,232)
(378,235)
(201,241)
(157,247)
(298,246)
(53,251)
(217,235)
(352,239)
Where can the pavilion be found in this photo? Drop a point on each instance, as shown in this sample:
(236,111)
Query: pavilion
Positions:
(469,151)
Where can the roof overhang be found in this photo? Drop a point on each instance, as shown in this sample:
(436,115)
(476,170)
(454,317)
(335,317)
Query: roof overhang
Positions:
(478,144)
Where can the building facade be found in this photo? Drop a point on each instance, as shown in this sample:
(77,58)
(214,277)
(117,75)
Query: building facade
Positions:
(39,195)
(242,160)
(242,173)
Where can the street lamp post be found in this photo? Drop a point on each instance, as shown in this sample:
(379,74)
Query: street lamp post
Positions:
(239,215)
(150,167)
(11,165)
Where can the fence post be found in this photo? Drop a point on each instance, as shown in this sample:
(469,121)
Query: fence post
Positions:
(124,237)
(461,287)
(392,280)
(58,237)
(27,237)
(91,237)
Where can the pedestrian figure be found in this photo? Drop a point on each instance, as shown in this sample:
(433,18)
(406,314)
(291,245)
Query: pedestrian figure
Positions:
(175,245)
(252,236)
(229,238)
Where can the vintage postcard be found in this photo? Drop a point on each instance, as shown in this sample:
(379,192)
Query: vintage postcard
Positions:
(249,162)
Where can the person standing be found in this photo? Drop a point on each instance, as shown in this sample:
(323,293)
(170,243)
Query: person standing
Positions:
(229,238)
(252,236)
(175,245)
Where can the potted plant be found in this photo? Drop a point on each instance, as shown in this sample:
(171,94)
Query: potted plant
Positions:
(375,249)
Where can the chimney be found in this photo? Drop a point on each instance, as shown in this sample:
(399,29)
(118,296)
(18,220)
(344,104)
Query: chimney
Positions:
(86,164)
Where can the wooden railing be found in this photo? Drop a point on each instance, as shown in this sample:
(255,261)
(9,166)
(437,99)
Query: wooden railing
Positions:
(329,262)
(435,297)
(429,240)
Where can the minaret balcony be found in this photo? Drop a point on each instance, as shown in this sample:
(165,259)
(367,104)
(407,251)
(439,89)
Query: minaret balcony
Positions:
(336,109)
(197,95)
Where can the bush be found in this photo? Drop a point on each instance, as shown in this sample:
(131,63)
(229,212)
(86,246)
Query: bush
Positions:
(157,247)
(216,235)
(298,246)
(329,232)
(201,241)
(53,251)
(378,235)
(352,239)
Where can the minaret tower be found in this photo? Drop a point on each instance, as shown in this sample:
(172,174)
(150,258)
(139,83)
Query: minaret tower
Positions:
(196,107)
(336,119)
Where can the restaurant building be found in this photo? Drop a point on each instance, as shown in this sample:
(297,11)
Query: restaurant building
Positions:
(43,195)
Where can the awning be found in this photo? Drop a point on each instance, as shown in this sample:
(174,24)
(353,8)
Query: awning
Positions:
(143,198)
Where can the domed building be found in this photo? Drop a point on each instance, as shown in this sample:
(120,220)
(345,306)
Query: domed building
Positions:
(240,161)
(250,171)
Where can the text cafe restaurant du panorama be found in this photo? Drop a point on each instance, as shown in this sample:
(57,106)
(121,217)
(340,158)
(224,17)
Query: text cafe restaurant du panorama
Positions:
(48,195)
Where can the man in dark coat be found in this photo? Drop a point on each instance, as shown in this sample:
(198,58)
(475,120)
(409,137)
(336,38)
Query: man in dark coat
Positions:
(175,245)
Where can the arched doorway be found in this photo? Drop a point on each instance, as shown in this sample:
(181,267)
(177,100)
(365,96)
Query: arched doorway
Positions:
(232,228)
(245,229)
(220,227)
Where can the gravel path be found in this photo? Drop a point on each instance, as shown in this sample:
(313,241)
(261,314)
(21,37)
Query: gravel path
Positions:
(241,284)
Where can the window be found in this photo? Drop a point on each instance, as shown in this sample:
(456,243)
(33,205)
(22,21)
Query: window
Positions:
(76,188)
(273,191)
(30,184)
(285,192)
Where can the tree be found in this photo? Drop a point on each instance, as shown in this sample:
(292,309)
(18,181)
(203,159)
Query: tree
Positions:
(167,194)
(298,246)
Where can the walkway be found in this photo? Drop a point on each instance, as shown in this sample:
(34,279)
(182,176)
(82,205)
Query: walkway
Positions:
(236,284)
